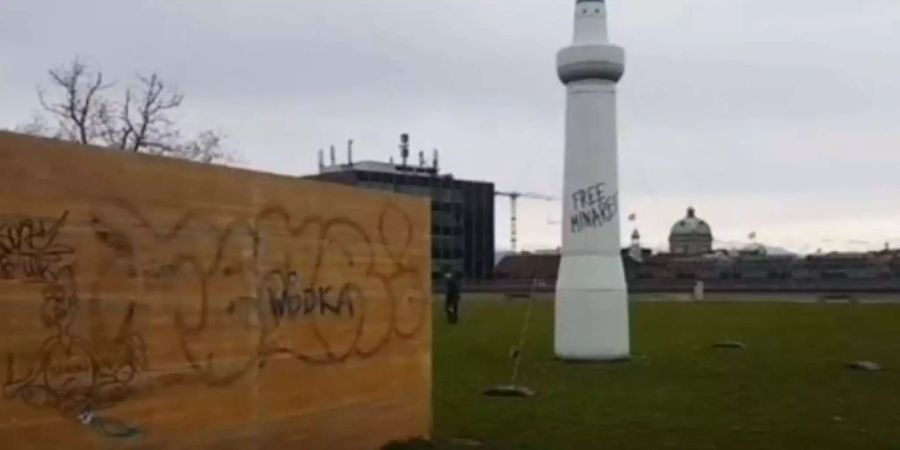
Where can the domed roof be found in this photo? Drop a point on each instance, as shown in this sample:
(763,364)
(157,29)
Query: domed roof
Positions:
(691,226)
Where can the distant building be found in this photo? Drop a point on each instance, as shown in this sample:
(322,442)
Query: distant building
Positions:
(738,272)
(690,236)
(752,268)
(462,212)
(528,267)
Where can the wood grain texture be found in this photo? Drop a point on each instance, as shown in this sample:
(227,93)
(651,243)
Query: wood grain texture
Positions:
(152,303)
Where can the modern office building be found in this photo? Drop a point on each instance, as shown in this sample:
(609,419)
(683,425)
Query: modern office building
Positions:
(462,211)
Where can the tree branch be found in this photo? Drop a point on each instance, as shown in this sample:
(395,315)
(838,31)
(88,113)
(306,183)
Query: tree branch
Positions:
(140,123)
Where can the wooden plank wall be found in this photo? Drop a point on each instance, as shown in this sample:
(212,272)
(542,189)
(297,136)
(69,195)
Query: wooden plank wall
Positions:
(152,303)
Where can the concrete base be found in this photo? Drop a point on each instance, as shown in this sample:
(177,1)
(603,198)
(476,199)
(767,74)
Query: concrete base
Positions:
(509,391)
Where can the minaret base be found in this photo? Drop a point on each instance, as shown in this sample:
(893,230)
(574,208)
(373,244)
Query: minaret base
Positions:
(592,309)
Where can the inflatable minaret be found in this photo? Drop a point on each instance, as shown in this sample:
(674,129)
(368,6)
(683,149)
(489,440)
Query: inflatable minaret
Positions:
(591,295)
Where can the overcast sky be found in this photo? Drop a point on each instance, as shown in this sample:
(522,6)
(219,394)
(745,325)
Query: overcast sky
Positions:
(780,117)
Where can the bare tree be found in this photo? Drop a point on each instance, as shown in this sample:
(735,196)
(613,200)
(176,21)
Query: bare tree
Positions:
(83,112)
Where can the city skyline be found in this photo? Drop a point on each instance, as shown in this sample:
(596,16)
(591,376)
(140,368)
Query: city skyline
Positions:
(729,108)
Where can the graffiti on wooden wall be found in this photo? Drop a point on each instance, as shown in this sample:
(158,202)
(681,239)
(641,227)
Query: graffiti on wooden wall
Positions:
(235,293)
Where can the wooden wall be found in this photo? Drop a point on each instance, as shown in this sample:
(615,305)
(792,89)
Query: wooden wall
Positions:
(153,303)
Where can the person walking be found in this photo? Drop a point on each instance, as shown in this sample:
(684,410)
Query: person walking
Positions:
(451,293)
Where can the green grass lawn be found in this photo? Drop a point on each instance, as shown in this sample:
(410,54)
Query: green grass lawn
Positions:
(788,390)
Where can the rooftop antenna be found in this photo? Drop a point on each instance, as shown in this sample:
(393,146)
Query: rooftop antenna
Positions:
(404,148)
(350,152)
(333,160)
(321,159)
(421,158)
(434,160)
(391,160)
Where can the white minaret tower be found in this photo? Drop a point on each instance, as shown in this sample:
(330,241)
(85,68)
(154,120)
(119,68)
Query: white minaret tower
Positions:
(591,296)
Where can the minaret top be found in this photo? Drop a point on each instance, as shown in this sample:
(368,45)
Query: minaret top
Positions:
(591,56)
(590,22)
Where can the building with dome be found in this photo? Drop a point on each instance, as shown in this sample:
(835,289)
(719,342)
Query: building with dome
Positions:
(749,268)
(690,236)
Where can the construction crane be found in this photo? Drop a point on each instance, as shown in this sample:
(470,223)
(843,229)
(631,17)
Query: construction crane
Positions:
(513,212)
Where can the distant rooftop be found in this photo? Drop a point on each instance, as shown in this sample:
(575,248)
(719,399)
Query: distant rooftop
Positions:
(423,168)
(381,167)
